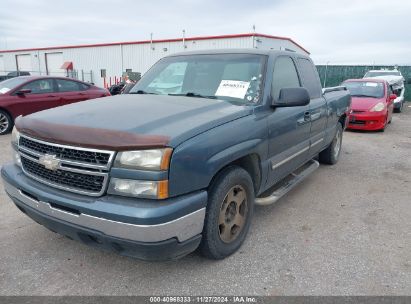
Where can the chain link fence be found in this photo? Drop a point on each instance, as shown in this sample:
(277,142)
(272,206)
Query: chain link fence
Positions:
(333,75)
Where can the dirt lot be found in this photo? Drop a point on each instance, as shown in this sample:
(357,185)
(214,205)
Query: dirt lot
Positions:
(346,230)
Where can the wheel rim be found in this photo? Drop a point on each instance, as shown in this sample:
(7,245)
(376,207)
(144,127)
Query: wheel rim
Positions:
(337,145)
(4,123)
(233,214)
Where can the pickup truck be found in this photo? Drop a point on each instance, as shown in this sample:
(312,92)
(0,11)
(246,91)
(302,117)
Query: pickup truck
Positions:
(156,175)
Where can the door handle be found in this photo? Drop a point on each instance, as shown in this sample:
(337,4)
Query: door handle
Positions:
(51,96)
(305,119)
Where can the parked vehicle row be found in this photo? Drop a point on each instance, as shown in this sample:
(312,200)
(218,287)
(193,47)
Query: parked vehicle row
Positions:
(29,94)
(374,99)
(155,174)
(14,74)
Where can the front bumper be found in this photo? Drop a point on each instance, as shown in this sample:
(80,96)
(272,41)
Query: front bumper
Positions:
(145,229)
(367,121)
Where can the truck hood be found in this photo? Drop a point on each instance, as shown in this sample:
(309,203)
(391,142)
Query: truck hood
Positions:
(364,103)
(130,121)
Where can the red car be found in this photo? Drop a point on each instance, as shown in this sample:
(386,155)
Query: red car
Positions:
(372,104)
(29,94)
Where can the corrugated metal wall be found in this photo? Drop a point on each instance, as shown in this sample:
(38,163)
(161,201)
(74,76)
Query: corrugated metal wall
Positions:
(116,59)
(338,73)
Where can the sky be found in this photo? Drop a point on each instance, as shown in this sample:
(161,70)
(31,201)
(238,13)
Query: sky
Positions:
(334,32)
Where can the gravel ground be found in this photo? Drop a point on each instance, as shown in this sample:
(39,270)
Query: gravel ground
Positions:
(345,230)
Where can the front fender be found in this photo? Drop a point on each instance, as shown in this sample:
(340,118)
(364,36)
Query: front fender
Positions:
(195,162)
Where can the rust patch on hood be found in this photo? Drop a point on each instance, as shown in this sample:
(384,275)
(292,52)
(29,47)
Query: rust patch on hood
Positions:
(88,137)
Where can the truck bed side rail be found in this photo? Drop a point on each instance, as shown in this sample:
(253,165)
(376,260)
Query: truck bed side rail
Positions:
(334,89)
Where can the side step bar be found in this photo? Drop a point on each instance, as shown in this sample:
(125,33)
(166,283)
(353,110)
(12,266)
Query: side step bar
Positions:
(288,183)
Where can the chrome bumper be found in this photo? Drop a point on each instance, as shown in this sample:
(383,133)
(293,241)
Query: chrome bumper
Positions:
(182,228)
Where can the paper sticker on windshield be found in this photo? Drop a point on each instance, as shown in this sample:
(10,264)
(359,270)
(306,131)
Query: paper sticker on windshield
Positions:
(232,88)
(371,84)
(4,90)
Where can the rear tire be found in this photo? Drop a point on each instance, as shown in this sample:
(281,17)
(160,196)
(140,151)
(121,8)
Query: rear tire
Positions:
(331,154)
(229,213)
(399,110)
(6,122)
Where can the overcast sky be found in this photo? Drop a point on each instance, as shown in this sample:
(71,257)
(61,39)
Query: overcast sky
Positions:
(341,32)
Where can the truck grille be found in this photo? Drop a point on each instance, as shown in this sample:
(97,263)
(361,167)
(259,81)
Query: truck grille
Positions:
(85,182)
(75,169)
(66,153)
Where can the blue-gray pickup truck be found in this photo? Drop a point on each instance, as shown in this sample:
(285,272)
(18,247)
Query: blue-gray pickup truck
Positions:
(179,163)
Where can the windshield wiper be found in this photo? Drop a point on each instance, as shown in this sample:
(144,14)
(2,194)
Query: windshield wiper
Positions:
(142,92)
(191,94)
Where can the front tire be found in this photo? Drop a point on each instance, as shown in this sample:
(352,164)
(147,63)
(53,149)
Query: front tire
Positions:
(229,213)
(331,154)
(6,122)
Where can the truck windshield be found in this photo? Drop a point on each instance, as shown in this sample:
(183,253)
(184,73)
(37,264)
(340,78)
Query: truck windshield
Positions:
(365,89)
(10,84)
(376,74)
(232,77)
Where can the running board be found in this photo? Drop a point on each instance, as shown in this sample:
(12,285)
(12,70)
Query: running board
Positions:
(288,183)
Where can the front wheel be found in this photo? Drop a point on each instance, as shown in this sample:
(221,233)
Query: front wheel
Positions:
(229,212)
(6,122)
(331,154)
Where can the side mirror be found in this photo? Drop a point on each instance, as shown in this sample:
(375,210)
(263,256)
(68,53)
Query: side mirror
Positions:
(23,92)
(393,96)
(292,97)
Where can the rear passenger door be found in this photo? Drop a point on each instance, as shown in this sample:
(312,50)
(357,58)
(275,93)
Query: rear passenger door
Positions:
(71,91)
(288,127)
(318,105)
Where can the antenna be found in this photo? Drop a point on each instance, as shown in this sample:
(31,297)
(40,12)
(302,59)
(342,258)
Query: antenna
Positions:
(184,39)
(151,41)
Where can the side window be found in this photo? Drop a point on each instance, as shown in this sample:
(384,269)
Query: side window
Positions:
(41,86)
(285,76)
(310,78)
(68,85)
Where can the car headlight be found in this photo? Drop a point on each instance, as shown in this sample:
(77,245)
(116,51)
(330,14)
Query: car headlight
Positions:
(139,188)
(378,107)
(15,136)
(155,159)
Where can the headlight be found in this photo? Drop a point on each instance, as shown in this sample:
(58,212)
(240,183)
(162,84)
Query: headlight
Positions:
(139,188)
(15,136)
(156,159)
(378,107)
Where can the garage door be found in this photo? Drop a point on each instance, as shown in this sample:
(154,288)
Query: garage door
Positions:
(2,70)
(24,62)
(54,61)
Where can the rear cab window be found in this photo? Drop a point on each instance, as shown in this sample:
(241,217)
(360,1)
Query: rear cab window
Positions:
(310,78)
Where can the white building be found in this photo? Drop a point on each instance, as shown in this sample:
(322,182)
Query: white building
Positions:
(105,63)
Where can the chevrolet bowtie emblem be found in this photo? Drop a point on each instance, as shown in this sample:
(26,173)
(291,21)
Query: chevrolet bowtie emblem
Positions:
(49,162)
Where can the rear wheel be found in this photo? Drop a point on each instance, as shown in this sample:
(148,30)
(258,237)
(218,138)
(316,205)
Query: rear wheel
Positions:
(229,212)
(399,110)
(6,122)
(331,154)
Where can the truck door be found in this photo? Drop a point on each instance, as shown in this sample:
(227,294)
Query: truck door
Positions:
(318,104)
(288,127)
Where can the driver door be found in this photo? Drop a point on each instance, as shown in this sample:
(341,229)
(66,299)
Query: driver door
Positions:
(42,97)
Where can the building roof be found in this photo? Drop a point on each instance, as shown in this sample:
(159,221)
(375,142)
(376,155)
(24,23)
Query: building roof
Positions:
(156,41)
